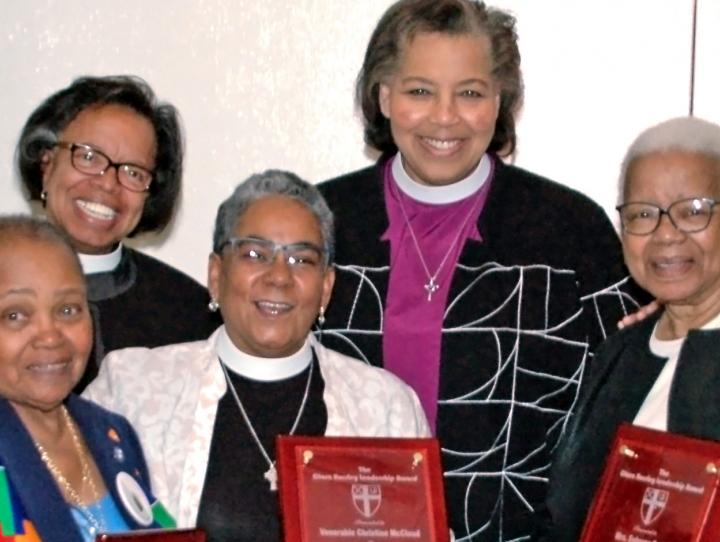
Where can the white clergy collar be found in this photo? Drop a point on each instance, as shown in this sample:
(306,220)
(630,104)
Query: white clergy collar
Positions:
(101,263)
(439,195)
(262,369)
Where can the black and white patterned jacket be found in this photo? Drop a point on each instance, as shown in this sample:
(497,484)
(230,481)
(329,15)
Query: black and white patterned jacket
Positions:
(525,309)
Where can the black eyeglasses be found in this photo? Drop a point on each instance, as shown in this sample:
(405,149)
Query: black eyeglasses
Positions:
(258,251)
(689,215)
(91,161)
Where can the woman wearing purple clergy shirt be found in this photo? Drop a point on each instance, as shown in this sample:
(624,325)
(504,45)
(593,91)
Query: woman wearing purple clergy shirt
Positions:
(484,286)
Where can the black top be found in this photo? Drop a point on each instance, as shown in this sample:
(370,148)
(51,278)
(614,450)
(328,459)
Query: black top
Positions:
(144,302)
(526,306)
(237,504)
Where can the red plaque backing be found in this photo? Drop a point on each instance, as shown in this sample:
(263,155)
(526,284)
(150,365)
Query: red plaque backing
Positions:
(656,487)
(155,535)
(361,490)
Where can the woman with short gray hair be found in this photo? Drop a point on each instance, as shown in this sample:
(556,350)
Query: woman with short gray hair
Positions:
(209,418)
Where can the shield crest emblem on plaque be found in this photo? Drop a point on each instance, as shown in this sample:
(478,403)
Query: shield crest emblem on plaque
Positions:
(653,503)
(366,498)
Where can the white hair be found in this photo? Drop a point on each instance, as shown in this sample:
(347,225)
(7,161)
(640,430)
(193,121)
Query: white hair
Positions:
(687,134)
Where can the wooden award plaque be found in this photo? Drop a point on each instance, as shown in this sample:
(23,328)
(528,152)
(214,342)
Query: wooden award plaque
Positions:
(155,535)
(361,489)
(656,487)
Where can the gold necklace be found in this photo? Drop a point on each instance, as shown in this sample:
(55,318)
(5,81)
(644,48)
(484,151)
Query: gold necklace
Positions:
(97,524)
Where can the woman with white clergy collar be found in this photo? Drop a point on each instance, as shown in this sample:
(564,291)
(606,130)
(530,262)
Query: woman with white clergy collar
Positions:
(104,156)
(208,412)
(480,284)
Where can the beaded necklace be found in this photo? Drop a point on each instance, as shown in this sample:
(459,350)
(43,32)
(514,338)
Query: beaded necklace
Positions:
(97,524)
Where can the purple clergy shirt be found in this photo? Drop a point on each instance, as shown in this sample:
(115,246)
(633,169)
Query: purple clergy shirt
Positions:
(412,325)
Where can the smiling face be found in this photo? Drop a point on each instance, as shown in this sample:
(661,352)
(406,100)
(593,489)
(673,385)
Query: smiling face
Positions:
(269,307)
(442,103)
(95,210)
(681,269)
(45,326)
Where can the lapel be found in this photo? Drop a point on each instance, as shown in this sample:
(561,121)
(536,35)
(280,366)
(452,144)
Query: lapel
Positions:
(364,248)
(200,409)
(694,405)
(96,431)
(33,483)
(628,378)
(616,390)
(494,219)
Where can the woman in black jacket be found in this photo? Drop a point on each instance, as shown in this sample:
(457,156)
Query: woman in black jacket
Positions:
(104,157)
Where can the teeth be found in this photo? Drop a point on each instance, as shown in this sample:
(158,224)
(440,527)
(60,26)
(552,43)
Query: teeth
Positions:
(96,210)
(273,307)
(442,144)
(668,262)
(56,367)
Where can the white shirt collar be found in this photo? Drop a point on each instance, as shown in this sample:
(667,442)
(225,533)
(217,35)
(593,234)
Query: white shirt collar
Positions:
(101,263)
(713,324)
(669,347)
(439,195)
(262,369)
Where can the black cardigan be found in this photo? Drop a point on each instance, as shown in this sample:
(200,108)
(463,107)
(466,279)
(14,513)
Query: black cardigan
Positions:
(626,371)
(526,305)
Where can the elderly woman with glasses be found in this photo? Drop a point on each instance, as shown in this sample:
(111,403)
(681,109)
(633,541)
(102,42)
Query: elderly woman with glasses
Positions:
(208,412)
(105,159)
(662,373)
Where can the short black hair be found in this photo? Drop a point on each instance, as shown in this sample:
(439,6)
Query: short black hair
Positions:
(44,126)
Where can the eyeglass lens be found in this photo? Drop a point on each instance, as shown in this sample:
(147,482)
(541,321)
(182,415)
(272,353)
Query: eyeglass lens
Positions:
(88,160)
(263,251)
(688,215)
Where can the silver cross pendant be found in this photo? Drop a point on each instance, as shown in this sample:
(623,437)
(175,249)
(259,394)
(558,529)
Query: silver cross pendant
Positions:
(271,476)
(431,287)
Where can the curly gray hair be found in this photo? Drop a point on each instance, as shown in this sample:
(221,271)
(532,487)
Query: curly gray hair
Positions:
(273,182)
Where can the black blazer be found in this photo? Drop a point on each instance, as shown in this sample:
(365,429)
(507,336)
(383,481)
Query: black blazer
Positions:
(32,491)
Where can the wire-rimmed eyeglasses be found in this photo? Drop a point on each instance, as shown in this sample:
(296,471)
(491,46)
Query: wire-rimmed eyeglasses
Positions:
(91,161)
(689,215)
(259,251)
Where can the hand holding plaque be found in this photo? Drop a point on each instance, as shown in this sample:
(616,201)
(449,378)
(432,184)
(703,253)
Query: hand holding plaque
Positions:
(656,487)
(361,489)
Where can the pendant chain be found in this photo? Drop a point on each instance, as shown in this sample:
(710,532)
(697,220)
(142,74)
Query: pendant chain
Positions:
(271,474)
(97,525)
(432,286)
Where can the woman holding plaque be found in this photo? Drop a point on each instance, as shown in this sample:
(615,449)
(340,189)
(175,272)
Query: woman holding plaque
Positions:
(208,412)
(69,469)
(482,285)
(662,373)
